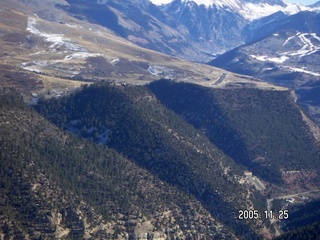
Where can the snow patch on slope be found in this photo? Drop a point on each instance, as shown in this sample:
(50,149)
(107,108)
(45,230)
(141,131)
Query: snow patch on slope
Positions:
(295,47)
(308,44)
(302,71)
(57,40)
(63,56)
(81,56)
(265,58)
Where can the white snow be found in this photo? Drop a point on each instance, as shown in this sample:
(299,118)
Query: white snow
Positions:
(281,59)
(40,66)
(302,70)
(73,25)
(32,69)
(307,45)
(302,44)
(268,69)
(115,61)
(265,58)
(293,8)
(155,70)
(289,39)
(58,59)
(207,3)
(57,40)
(160,2)
(252,11)
(249,11)
(81,56)
(33,66)
(299,45)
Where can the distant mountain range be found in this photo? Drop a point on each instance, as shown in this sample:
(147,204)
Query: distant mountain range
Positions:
(196,30)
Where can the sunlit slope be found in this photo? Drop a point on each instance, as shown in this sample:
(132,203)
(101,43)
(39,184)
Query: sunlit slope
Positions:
(54,56)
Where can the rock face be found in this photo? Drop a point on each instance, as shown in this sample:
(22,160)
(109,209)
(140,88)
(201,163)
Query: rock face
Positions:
(213,29)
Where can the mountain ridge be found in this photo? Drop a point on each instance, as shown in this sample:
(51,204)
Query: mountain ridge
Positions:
(284,53)
(76,187)
(113,153)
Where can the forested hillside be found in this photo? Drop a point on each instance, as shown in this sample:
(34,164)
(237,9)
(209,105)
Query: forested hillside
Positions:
(157,139)
(303,215)
(56,185)
(308,232)
(115,162)
(262,130)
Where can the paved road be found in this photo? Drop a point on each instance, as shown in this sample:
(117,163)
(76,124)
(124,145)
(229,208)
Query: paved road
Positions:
(256,182)
(273,221)
(269,205)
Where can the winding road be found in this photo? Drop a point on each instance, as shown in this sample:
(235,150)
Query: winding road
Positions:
(269,207)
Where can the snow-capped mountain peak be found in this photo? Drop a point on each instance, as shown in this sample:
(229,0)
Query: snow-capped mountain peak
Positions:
(218,3)
(249,9)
